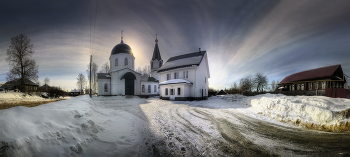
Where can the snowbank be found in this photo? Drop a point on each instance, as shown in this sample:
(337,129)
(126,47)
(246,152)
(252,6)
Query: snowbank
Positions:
(78,126)
(315,112)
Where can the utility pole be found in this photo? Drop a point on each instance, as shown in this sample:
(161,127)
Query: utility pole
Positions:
(90,74)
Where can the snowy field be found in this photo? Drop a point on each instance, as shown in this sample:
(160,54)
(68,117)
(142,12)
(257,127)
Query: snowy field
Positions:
(131,126)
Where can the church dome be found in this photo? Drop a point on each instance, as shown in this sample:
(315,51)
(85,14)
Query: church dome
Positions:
(121,48)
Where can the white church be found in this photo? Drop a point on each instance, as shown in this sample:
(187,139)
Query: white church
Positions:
(183,77)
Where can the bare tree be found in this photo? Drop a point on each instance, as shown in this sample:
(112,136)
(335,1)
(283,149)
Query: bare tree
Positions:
(21,66)
(146,71)
(81,82)
(273,85)
(260,82)
(105,68)
(139,70)
(94,68)
(246,84)
(46,81)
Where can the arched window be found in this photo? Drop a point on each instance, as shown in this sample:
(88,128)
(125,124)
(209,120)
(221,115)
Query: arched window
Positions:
(106,87)
(149,88)
(143,88)
(126,61)
(116,62)
(155,88)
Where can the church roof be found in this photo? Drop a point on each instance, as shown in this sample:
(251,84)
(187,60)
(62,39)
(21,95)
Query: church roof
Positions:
(156,53)
(103,76)
(175,81)
(121,48)
(181,61)
(152,79)
(312,74)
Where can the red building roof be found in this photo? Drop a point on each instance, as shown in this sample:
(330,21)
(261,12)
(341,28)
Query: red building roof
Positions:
(311,74)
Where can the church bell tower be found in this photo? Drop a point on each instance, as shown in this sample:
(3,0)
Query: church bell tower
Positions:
(156,61)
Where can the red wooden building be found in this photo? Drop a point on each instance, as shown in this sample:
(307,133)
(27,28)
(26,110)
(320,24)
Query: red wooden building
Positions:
(330,78)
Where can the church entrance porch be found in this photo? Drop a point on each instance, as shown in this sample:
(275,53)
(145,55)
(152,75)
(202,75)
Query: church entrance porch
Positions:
(129,87)
(129,83)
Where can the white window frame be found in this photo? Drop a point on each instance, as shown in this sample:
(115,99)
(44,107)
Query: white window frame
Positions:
(176,75)
(316,85)
(143,88)
(310,86)
(126,61)
(324,85)
(155,88)
(302,86)
(168,76)
(166,91)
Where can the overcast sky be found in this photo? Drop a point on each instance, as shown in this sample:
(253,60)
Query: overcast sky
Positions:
(241,37)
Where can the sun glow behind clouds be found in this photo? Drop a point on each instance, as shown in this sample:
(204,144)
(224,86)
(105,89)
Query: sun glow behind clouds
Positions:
(277,38)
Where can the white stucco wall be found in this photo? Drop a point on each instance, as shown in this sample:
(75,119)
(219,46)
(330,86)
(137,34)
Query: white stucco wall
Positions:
(202,78)
(146,83)
(121,57)
(100,87)
(196,74)
(118,85)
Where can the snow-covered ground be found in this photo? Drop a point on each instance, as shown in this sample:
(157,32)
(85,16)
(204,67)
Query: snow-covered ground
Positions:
(131,126)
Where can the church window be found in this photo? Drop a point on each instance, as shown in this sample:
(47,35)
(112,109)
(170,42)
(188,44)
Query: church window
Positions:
(176,75)
(149,88)
(168,76)
(323,85)
(126,61)
(185,74)
(106,87)
(178,91)
(116,62)
(155,88)
(143,88)
(310,86)
(166,91)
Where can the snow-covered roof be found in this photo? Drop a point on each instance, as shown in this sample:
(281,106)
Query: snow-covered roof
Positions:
(103,76)
(123,69)
(181,61)
(175,81)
